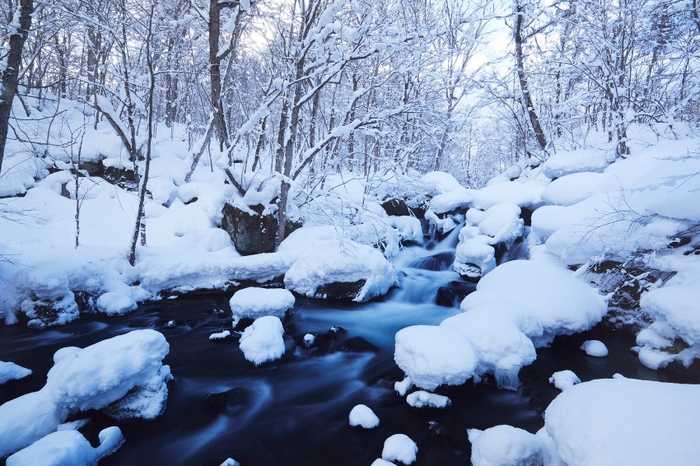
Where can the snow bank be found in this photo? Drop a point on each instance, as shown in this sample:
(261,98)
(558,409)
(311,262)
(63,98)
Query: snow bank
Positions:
(571,189)
(361,415)
(91,378)
(582,160)
(11,371)
(399,447)
(254,302)
(523,194)
(504,446)
(626,421)
(263,341)
(432,356)
(68,448)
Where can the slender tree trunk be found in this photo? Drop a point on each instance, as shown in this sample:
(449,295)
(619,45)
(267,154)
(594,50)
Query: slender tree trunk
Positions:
(522,78)
(8,86)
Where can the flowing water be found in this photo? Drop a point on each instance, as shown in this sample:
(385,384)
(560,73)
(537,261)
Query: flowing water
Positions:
(294,411)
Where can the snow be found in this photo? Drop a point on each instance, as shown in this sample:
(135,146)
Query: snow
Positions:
(626,421)
(220,335)
(572,189)
(230,462)
(263,340)
(458,198)
(381,462)
(514,192)
(408,228)
(309,340)
(254,302)
(582,160)
(436,183)
(94,377)
(595,348)
(11,371)
(505,445)
(363,416)
(399,447)
(432,356)
(564,380)
(678,307)
(114,303)
(67,448)
(423,399)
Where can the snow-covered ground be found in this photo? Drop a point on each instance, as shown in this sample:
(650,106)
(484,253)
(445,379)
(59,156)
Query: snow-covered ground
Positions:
(588,208)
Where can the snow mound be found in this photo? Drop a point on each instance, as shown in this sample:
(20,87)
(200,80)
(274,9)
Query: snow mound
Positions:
(595,348)
(408,228)
(361,415)
(678,307)
(505,446)
(422,399)
(572,189)
(437,183)
(381,462)
(563,303)
(115,304)
(254,302)
(11,371)
(459,198)
(582,160)
(96,377)
(67,448)
(326,259)
(399,447)
(626,421)
(564,380)
(514,192)
(432,356)
(263,341)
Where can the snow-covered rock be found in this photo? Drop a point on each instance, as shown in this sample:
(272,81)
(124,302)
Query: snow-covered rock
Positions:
(514,192)
(263,341)
(564,380)
(361,415)
(94,377)
(254,302)
(114,303)
(11,371)
(626,421)
(582,160)
(505,445)
(432,356)
(459,198)
(400,447)
(595,348)
(423,399)
(572,189)
(67,448)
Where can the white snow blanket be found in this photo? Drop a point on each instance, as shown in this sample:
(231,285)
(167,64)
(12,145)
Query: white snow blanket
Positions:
(91,378)
(626,421)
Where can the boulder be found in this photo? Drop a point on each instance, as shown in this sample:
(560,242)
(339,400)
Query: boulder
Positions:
(253,231)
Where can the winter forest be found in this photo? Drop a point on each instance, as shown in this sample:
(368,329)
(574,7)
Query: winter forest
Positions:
(349,232)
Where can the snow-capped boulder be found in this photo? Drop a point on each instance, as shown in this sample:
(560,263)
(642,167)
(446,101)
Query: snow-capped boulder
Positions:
(254,302)
(11,371)
(505,446)
(564,380)
(582,160)
(361,415)
(115,303)
(400,447)
(263,341)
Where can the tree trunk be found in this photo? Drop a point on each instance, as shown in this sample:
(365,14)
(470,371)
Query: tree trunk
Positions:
(8,86)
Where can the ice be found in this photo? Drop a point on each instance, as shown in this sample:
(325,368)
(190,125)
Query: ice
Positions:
(114,303)
(432,356)
(423,399)
(626,421)
(94,377)
(11,371)
(254,302)
(505,445)
(399,447)
(595,348)
(67,448)
(564,380)
(263,341)
(582,160)
(363,416)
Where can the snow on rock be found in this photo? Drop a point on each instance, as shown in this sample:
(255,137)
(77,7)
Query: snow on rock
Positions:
(114,304)
(254,302)
(524,194)
(220,335)
(327,260)
(230,462)
(399,447)
(595,348)
(459,198)
(437,183)
(626,421)
(11,371)
(564,380)
(563,303)
(98,376)
(582,160)
(381,462)
(474,257)
(502,223)
(46,312)
(263,341)
(432,356)
(505,445)
(409,229)
(68,448)
(423,399)
(677,306)
(361,415)
(572,189)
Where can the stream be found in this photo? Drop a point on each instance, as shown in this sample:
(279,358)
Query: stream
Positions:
(294,411)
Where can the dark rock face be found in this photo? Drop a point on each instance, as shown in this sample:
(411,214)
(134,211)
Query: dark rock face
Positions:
(122,177)
(436,262)
(341,291)
(93,168)
(453,294)
(253,233)
(396,207)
